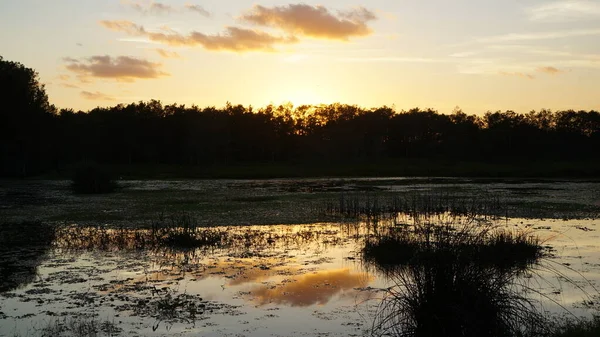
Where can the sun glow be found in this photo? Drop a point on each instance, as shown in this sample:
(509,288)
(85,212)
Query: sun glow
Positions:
(304,96)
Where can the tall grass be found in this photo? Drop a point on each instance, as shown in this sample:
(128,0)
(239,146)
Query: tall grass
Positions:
(175,232)
(414,204)
(453,276)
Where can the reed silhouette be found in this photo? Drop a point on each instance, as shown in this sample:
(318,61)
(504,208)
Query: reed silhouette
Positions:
(455,280)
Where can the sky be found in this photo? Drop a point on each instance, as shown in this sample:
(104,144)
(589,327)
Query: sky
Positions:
(479,55)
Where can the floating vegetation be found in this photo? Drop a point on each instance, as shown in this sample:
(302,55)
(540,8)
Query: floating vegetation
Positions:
(80,327)
(176,232)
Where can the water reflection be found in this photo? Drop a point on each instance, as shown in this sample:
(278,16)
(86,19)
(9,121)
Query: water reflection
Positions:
(311,289)
(23,247)
(448,280)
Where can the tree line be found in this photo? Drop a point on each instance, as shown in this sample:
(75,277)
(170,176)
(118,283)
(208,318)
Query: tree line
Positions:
(37,137)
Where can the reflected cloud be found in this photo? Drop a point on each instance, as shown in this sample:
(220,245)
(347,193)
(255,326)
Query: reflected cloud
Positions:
(312,289)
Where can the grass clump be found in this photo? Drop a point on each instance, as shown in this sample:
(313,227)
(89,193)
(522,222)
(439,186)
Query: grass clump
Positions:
(468,244)
(454,280)
(584,328)
(93,179)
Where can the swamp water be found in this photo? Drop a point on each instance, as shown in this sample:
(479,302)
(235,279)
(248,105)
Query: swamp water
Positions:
(278,280)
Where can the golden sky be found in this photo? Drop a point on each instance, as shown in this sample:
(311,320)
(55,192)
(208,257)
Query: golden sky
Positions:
(477,54)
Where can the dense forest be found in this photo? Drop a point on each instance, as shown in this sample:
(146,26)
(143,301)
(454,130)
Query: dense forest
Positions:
(37,138)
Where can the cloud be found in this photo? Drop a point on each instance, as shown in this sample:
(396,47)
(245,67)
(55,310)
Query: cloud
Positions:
(565,10)
(69,86)
(233,39)
(167,53)
(539,36)
(148,7)
(393,59)
(312,21)
(96,96)
(549,70)
(518,74)
(198,9)
(121,68)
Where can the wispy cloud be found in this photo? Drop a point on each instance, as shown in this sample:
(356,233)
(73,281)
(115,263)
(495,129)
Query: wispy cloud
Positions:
(549,70)
(565,10)
(312,21)
(167,53)
(197,9)
(464,54)
(233,39)
(96,96)
(513,37)
(517,74)
(121,68)
(69,86)
(393,59)
(148,7)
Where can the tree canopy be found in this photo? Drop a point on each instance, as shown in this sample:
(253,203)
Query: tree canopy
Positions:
(36,139)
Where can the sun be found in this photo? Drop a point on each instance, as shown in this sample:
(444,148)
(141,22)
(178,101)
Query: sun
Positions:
(304,96)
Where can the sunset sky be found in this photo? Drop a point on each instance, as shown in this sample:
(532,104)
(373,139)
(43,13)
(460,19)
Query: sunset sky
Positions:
(477,54)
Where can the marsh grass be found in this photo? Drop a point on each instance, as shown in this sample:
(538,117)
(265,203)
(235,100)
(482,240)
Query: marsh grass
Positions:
(78,326)
(181,232)
(582,328)
(485,245)
(453,276)
(415,204)
(176,232)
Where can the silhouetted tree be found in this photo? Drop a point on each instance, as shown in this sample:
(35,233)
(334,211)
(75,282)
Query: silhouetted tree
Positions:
(34,137)
(25,120)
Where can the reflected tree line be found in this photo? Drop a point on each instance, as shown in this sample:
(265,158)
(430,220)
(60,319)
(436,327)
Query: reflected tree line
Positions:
(38,137)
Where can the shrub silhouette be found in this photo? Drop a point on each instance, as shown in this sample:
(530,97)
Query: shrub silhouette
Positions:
(93,179)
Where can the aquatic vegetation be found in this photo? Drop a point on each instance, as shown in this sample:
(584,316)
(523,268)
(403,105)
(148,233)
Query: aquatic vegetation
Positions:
(430,259)
(80,327)
(454,279)
(415,204)
(484,245)
(581,328)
